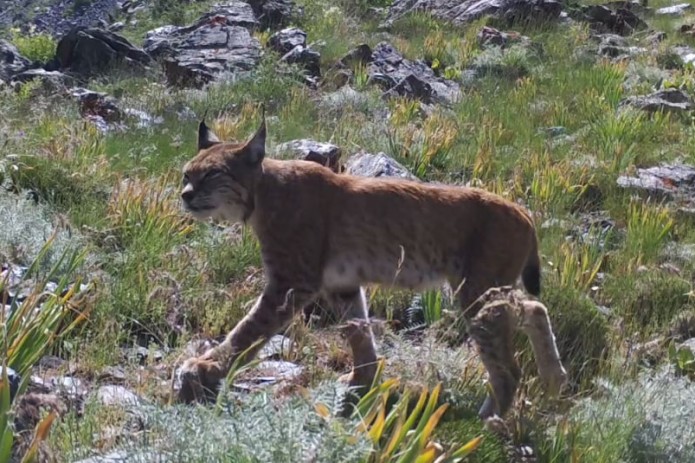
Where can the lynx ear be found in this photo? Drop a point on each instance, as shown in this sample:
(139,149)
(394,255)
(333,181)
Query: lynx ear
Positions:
(206,138)
(254,151)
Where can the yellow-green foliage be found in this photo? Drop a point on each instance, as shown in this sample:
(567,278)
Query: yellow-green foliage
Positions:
(39,47)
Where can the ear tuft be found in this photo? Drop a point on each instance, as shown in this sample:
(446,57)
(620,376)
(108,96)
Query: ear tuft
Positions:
(255,147)
(206,138)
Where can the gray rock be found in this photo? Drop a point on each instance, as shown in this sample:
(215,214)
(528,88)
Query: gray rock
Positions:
(11,62)
(670,99)
(685,53)
(91,51)
(287,39)
(51,81)
(400,76)
(325,154)
(309,59)
(277,347)
(123,456)
(69,385)
(218,44)
(688,345)
(117,396)
(674,10)
(620,21)
(675,182)
(461,12)
(615,46)
(274,13)
(376,165)
(489,36)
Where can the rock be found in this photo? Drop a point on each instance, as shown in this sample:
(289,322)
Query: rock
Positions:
(603,19)
(69,385)
(217,44)
(376,165)
(674,10)
(123,456)
(461,12)
(688,345)
(51,81)
(274,13)
(142,354)
(670,99)
(287,39)
(117,396)
(11,62)
(489,36)
(90,51)
(113,374)
(675,182)
(309,59)
(360,55)
(615,46)
(13,378)
(685,53)
(30,408)
(277,347)
(400,76)
(97,104)
(268,373)
(325,154)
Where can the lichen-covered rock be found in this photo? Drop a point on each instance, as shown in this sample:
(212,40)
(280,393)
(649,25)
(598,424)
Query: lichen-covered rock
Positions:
(670,99)
(376,165)
(325,154)
(11,61)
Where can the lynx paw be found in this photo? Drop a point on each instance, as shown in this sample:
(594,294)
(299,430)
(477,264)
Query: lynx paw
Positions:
(200,380)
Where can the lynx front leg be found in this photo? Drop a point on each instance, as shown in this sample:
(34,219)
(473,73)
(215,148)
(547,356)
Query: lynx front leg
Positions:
(201,376)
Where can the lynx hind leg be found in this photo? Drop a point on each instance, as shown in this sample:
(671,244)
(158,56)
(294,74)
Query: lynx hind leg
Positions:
(492,330)
(352,308)
(274,309)
(535,323)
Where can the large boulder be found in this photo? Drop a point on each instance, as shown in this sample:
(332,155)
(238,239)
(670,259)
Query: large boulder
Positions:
(11,62)
(219,43)
(90,51)
(274,13)
(400,76)
(465,11)
(291,44)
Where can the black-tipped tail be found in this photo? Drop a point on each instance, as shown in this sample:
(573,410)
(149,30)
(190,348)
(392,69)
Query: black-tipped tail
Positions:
(531,274)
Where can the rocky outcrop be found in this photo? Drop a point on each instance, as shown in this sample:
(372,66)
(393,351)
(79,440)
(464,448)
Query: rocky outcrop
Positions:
(675,182)
(219,43)
(670,100)
(399,76)
(11,62)
(90,51)
(274,13)
(603,19)
(291,44)
(462,12)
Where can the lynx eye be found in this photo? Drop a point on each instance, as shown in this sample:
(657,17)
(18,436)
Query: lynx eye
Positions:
(186,180)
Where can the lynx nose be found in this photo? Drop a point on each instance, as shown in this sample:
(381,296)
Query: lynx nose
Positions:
(187,194)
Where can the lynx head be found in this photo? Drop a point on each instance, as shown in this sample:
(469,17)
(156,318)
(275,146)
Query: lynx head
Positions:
(219,181)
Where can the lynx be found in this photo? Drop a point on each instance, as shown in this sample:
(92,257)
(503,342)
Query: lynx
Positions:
(326,235)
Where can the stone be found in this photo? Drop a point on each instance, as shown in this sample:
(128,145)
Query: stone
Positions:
(603,19)
(325,154)
(96,104)
(360,55)
(376,165)
(688,345)
(670,99)
(277,347)
(674,10)
(123,456)
(69,385)
(307,58)
(11,62)
(91,51)
(274,13)
(218,44)
(460,12)
(397,75)
(119,396)
(615,46)
(489,36)
(287,39)
(674,182)
(685,53)
(51,81)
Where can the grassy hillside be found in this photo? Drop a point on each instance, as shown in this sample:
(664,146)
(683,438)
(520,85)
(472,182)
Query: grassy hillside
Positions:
(542,123)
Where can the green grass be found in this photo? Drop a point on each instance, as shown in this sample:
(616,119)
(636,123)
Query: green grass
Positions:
(159,275)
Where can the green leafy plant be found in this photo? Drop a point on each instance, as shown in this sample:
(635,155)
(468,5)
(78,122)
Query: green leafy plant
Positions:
(35,47)
(30,329)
